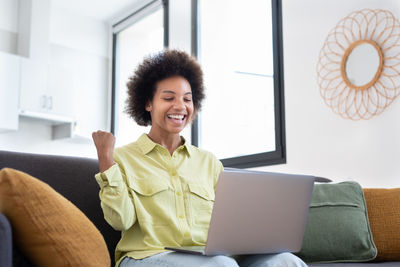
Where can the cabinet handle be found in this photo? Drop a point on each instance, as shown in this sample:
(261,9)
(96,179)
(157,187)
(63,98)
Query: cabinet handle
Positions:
(43,101)
(50,106)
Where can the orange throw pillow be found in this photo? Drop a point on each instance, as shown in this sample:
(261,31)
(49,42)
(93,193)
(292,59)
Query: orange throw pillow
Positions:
(383,207)
(47,227)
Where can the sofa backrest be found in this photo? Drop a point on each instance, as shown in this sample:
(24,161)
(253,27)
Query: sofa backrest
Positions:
(73,177)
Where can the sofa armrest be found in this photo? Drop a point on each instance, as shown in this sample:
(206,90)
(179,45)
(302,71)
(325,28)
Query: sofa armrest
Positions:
(5,242)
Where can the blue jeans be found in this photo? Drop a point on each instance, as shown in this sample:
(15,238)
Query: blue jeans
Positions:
(176,259)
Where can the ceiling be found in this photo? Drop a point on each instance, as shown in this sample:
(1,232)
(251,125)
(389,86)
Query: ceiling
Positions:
(97,9)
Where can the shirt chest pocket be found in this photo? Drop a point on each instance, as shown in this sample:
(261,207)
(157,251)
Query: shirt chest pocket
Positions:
(153,200)
(201,197)
(201,202)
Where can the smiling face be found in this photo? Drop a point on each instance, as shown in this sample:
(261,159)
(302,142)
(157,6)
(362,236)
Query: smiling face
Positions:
(171,108)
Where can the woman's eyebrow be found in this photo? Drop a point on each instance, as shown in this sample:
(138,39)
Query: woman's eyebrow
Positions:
(168,92)
(172,92)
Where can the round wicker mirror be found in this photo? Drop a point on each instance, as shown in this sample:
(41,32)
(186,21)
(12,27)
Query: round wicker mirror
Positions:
(359,64)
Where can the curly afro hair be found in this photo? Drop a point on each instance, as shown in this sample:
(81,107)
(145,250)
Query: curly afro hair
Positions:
(155,68)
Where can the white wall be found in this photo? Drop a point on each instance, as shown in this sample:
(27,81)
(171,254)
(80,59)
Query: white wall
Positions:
(318,141)
(78,32)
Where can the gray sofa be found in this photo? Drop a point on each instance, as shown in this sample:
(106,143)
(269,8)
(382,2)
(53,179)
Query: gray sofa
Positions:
(63,174)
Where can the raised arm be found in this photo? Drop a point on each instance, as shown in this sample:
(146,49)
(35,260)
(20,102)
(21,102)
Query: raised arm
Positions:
(116,202)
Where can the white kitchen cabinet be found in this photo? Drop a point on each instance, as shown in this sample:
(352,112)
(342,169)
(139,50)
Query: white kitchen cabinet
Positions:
(45,89)
(33,86)
(62,81)
(33,46)
(46,95)
(9,91)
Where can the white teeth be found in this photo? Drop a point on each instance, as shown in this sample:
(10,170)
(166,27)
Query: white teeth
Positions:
(178,117)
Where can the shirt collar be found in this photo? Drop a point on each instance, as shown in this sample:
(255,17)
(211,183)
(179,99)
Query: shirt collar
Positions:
(147,145)
(188,147)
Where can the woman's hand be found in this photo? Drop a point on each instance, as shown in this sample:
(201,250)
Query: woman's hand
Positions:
(104,142)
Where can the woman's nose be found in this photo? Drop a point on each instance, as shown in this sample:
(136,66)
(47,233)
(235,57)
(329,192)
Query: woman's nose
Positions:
(179,104)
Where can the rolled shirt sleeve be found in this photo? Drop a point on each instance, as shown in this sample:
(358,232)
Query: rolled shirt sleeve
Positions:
(116,202)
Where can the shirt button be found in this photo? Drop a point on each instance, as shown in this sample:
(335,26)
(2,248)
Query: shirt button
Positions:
(174,173)
(187,234)
(149,191)
(179,193)
(181,216)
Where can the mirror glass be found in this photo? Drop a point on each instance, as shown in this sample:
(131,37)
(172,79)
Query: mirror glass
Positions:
(362,64)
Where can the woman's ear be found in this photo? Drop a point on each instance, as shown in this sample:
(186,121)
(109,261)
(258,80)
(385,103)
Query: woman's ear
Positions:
(149,107)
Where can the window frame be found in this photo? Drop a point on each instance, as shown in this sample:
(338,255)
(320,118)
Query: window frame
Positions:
(278,156)
(140,12)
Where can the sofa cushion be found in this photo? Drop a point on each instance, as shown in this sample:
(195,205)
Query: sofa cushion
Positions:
(337,228)
(48,228)
(63,173)
(384,217)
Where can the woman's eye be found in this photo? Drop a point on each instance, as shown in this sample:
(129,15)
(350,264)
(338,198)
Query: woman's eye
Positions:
(187,99)
(168,99)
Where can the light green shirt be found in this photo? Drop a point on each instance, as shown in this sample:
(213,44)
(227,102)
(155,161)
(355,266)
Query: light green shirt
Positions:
(156,199)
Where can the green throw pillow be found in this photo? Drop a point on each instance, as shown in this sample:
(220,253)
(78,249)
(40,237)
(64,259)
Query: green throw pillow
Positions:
(337,227)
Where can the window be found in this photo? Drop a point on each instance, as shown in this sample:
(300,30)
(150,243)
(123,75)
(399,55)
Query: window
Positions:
(239,45)
(142,33)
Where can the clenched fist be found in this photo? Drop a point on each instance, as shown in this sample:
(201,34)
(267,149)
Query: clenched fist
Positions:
(104,142)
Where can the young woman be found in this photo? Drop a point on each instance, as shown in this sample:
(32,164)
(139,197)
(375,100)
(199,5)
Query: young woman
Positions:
(159,190)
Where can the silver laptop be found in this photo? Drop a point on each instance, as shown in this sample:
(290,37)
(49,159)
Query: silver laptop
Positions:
(256,213)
